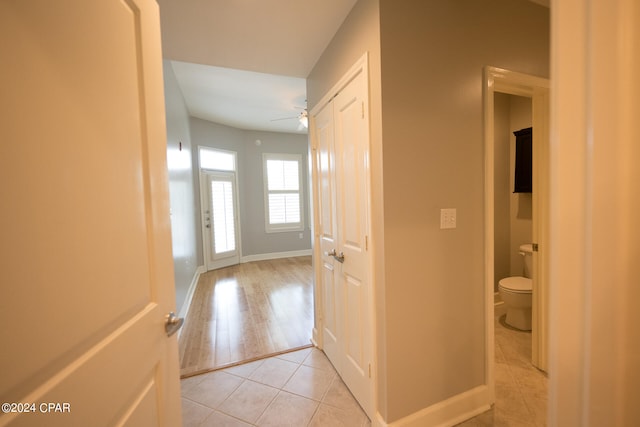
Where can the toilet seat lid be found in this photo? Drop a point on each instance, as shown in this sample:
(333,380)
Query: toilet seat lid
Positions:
(516,284)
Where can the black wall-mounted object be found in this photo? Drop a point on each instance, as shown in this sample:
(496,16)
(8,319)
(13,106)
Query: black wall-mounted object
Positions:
(522,181)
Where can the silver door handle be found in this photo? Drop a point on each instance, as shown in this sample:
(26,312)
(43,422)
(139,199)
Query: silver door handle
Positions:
(338,257)
(172,323)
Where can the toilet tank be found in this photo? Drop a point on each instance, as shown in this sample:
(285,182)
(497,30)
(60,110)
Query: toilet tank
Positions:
(526,251)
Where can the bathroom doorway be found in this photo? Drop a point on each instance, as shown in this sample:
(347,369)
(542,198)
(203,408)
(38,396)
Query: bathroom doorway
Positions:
(535,89)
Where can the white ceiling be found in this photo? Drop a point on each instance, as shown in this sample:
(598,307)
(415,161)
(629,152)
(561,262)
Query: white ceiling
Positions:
(242,99)
(243,62)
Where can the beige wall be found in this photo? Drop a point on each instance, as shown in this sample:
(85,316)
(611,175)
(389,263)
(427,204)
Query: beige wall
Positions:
(433,54)
(520,204)
(255,241)
(427,154)
(184,215)
(502,189)
(360,34)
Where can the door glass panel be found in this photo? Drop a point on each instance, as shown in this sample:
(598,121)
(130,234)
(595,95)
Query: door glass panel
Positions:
(224,233)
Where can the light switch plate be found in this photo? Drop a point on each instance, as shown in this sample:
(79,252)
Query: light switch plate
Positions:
(447,218)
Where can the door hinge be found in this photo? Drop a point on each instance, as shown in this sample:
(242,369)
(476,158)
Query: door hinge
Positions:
(366,243)
(534,247)
(362,109)
(369,370)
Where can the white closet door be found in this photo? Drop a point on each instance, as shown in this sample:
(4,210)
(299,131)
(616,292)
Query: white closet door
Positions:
(352,154)
(332,293)
(342,143)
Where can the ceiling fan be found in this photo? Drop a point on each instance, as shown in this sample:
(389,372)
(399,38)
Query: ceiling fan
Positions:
(303,118)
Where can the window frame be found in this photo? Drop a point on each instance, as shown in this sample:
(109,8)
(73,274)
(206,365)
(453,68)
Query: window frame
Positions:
(283,227)
(233,154)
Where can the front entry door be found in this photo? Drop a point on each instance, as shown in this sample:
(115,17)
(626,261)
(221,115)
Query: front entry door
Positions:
(341,132)
(220,219)
(86,269)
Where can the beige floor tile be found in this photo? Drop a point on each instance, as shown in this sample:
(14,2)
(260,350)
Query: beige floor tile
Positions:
(248,401)
(288,410)
(295,356)
(274,372)
(188,383)
(329,416)
(485,419)
(499,355)
(532,382)
(317,359)
(339,396)
(510,403)
(214,388)
(521,389)
(538,406)
(502,420)
(193,413)
(503,375)
(218,419)
(469,423)
(310,382)
(244,370)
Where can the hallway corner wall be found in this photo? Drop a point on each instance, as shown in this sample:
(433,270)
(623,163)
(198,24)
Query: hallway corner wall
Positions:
(183,211)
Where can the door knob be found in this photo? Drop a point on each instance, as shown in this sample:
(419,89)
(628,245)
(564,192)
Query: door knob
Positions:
(172,323)
(338,256)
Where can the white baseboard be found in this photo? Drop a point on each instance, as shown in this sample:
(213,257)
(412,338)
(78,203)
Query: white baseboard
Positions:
(447,413)
(192,289)
(275,255)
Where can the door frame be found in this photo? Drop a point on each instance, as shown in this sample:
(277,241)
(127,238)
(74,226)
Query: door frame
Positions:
(206,248)
(536,88)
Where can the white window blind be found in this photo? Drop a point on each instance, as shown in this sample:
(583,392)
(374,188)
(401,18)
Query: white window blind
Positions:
(283,192)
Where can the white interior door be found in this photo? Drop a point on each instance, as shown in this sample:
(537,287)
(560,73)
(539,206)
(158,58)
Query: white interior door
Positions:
(342,144)
(540,228)
(85,255)
(331,291)
(352,161)
(220,219)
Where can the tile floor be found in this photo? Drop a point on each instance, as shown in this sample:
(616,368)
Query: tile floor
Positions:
(302,389)
(521,389)
(293,389)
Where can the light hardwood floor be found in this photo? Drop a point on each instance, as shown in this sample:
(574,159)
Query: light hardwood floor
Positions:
(247,311)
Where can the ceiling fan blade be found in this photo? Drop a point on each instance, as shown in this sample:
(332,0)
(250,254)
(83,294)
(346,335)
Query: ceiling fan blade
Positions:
(284,118)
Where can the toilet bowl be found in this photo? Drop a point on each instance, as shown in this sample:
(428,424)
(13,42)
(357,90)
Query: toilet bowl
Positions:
(516,293)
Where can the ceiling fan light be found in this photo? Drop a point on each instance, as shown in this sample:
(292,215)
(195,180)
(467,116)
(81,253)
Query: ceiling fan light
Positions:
(304,120)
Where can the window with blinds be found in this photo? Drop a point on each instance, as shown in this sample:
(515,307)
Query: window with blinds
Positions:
(283,192)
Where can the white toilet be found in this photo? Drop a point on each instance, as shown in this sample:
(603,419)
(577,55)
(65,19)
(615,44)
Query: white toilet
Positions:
(516,293)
